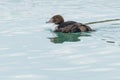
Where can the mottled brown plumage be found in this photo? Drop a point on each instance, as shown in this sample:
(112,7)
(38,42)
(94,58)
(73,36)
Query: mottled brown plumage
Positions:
(68,26)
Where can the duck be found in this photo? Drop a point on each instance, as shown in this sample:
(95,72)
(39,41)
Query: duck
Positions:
(68,26)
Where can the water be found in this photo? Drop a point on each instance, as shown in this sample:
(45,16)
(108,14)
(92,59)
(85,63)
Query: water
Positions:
(29,50)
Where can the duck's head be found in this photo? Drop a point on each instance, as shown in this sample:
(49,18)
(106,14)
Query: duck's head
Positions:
(57,19)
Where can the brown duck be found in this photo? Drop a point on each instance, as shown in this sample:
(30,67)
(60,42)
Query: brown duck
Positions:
(68,26)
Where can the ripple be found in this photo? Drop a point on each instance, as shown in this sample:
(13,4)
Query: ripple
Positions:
(110,41)
(66,68)
(29,76)
(100,70)
(1,49)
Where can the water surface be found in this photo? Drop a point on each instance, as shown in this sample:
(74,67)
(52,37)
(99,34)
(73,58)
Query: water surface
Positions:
(29,50)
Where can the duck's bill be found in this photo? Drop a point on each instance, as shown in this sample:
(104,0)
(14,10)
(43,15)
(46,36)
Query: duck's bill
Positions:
(50,21)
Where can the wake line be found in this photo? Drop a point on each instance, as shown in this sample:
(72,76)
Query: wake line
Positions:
(101,21)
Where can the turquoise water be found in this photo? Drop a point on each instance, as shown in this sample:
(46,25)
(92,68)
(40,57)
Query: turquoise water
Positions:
(29,50)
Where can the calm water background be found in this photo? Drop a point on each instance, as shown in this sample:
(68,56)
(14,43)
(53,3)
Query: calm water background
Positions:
(29,50)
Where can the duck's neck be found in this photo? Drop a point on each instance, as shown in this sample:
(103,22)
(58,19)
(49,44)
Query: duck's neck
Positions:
(59,23)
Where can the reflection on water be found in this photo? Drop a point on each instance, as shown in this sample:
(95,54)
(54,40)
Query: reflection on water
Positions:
(68,37)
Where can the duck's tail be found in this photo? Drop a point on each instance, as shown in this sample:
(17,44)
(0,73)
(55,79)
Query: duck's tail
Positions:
(101,21)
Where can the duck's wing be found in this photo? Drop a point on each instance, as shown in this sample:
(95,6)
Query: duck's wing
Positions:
(76,27)
(66,24)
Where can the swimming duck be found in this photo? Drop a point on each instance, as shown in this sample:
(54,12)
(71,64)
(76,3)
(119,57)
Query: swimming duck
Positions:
(68,26)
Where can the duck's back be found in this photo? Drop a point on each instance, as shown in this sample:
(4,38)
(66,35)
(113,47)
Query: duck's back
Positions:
(66,24)
(72,26)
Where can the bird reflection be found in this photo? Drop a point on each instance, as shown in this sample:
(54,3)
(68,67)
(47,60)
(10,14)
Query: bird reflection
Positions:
(67,37)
